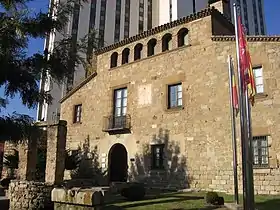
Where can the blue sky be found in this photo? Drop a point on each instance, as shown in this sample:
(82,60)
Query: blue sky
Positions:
(272,17)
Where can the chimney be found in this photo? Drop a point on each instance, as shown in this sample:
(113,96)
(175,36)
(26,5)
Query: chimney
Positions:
(222,5)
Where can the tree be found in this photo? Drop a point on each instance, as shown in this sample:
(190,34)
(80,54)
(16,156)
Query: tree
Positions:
(19,73)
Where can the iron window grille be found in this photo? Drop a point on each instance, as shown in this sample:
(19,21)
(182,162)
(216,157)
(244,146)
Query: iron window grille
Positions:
(260,151)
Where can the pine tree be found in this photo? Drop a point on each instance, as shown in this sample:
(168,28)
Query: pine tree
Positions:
(19,73)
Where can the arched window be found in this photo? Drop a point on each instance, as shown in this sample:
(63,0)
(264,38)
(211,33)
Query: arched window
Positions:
(125,55)
(114,60)
(137,51)
(166,42)
(182,37)
(151,47)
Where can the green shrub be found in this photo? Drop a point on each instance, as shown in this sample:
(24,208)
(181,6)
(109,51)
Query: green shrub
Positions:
(72,161)
(212,198)
(134,192)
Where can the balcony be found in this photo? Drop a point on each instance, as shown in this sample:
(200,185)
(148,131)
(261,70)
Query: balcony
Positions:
(117,124)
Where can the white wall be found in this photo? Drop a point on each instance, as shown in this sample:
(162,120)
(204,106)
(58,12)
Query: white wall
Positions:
(164,15)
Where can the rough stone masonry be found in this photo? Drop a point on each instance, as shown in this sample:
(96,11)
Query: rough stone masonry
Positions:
(197,135)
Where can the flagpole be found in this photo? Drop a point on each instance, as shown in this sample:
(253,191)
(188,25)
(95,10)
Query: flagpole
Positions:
(242,116)
(233,130)
(250,174)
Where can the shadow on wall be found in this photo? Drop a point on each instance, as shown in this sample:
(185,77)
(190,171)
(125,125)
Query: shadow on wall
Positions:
(147,165)
(10,163)
(85,169)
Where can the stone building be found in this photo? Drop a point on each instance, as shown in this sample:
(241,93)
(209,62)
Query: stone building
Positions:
(157,106)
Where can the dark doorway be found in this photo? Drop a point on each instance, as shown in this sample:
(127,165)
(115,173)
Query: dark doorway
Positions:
(118,163)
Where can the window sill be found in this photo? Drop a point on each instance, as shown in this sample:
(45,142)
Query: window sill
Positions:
(77,123)
(261,96)
(174,109)
(158,170)
(261,170)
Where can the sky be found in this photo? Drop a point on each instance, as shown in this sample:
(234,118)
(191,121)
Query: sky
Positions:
(272,17)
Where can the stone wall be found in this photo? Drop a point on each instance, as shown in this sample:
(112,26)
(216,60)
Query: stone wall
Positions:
(197,136)
(27,155)
(266,181)
(9,149)
(29,195)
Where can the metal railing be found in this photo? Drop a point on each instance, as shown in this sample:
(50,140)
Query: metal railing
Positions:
(112,123)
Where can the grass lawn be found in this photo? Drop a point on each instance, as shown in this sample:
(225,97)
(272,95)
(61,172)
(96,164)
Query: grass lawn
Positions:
(187,201)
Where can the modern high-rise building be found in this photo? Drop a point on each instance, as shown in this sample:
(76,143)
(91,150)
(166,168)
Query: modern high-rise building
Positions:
(114,20)
(252,12)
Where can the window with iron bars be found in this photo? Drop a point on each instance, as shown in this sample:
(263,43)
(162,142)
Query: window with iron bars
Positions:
(77,113)
(260,151)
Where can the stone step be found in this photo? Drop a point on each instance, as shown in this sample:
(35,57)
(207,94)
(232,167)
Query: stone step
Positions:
(4,203)
(2,191)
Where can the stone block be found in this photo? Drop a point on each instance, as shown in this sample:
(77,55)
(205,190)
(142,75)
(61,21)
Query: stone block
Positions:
(265,183)
(258,183)
(275,183)
(216,182)
(225,177)
(263,192)
(77,196)
(270,188)
(223,182)
(274,192)
(261,178)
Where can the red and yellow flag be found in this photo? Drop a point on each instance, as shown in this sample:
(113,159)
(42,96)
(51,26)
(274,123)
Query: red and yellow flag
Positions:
(246,69)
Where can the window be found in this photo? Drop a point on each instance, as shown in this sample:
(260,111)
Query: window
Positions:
(125,56)
(117,21)
(120,102)
(91,41)
(114,60)
(141,17)
(127,19)
(150,14)
(74,33)
(170,11)
(102,23)
(120,107)
(138,51)
(261,17)
(166,42)
(260,151)
(255,18)
(77,113)
(182,37)
(246,15)
(157,156)
(151,47)
(258,72)
(175,96)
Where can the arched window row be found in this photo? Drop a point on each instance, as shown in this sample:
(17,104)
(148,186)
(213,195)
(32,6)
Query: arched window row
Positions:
(166,44)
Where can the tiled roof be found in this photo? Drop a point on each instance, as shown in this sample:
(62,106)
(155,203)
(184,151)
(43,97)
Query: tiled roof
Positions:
(249,38)
(203,13)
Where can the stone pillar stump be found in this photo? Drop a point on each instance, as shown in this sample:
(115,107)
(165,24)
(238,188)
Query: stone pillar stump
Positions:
(56,143)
